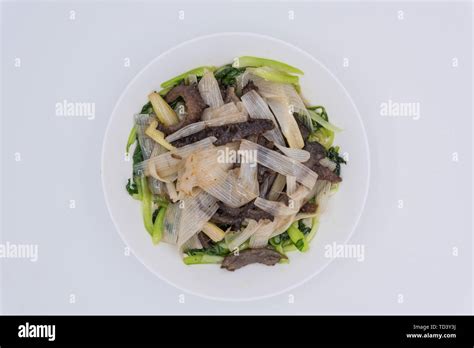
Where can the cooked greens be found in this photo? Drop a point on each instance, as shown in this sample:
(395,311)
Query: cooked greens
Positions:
(227,75)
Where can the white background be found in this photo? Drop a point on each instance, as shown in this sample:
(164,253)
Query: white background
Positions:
(408,251)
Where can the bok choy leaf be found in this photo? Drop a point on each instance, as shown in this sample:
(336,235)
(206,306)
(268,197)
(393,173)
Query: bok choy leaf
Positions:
(270,74)
(158,226)
(177,79)
(297,237)
(317,117)
(132,137)
(202,259)
(145,194)
(245,61)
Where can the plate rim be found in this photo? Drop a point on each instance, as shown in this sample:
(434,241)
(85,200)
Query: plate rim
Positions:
(209,36)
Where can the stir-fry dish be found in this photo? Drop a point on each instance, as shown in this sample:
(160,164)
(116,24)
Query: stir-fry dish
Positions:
(232,165)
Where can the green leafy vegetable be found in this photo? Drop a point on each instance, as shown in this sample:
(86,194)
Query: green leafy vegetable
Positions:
(132,188)
(226,75)
(303,228)
(202,259)
(155,215)
(218,249)
(160,201)
(147,109)
(280,239)
(245,61)
(333,155)
(270,74)
(297,237)
(320,118)
(323,136)
(277,243)
(289,247)
(158,226)
(176,101)
(146,196)
(314,229)
(308,232)
(165,91)
(132,137)
(132,185)
(137,154)
(321,110)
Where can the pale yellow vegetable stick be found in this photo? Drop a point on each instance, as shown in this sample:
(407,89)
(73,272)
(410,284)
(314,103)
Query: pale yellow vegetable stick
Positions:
(213,232)
(163,111)
(158,136)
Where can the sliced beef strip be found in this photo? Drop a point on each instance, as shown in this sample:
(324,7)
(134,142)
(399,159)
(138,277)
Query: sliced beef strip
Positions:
(228,133)
(266,184)
(258,214)
(194,106)
(222,219)
(284,198)
(261,140)
(318,152)
(252,137)
(231,211)
(262,173)
(303,129)
(230,95)
(250,86)
(248,210)
(325,173)
(205,240)
(235,216)
(246,257)
(223,90)
(309,208)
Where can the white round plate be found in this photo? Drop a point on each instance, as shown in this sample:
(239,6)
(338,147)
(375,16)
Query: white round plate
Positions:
(254,281)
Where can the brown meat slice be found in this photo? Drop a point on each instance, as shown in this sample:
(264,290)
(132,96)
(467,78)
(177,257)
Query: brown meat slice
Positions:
(303,129)
(250,86)
(309,208)
(222,219)
(318,152)
(258,214)
(228,133)
(246,257)
(325,173)
(223,90)
(204,239)
(230,95)
(235,216)
(266,184)
(194,106)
